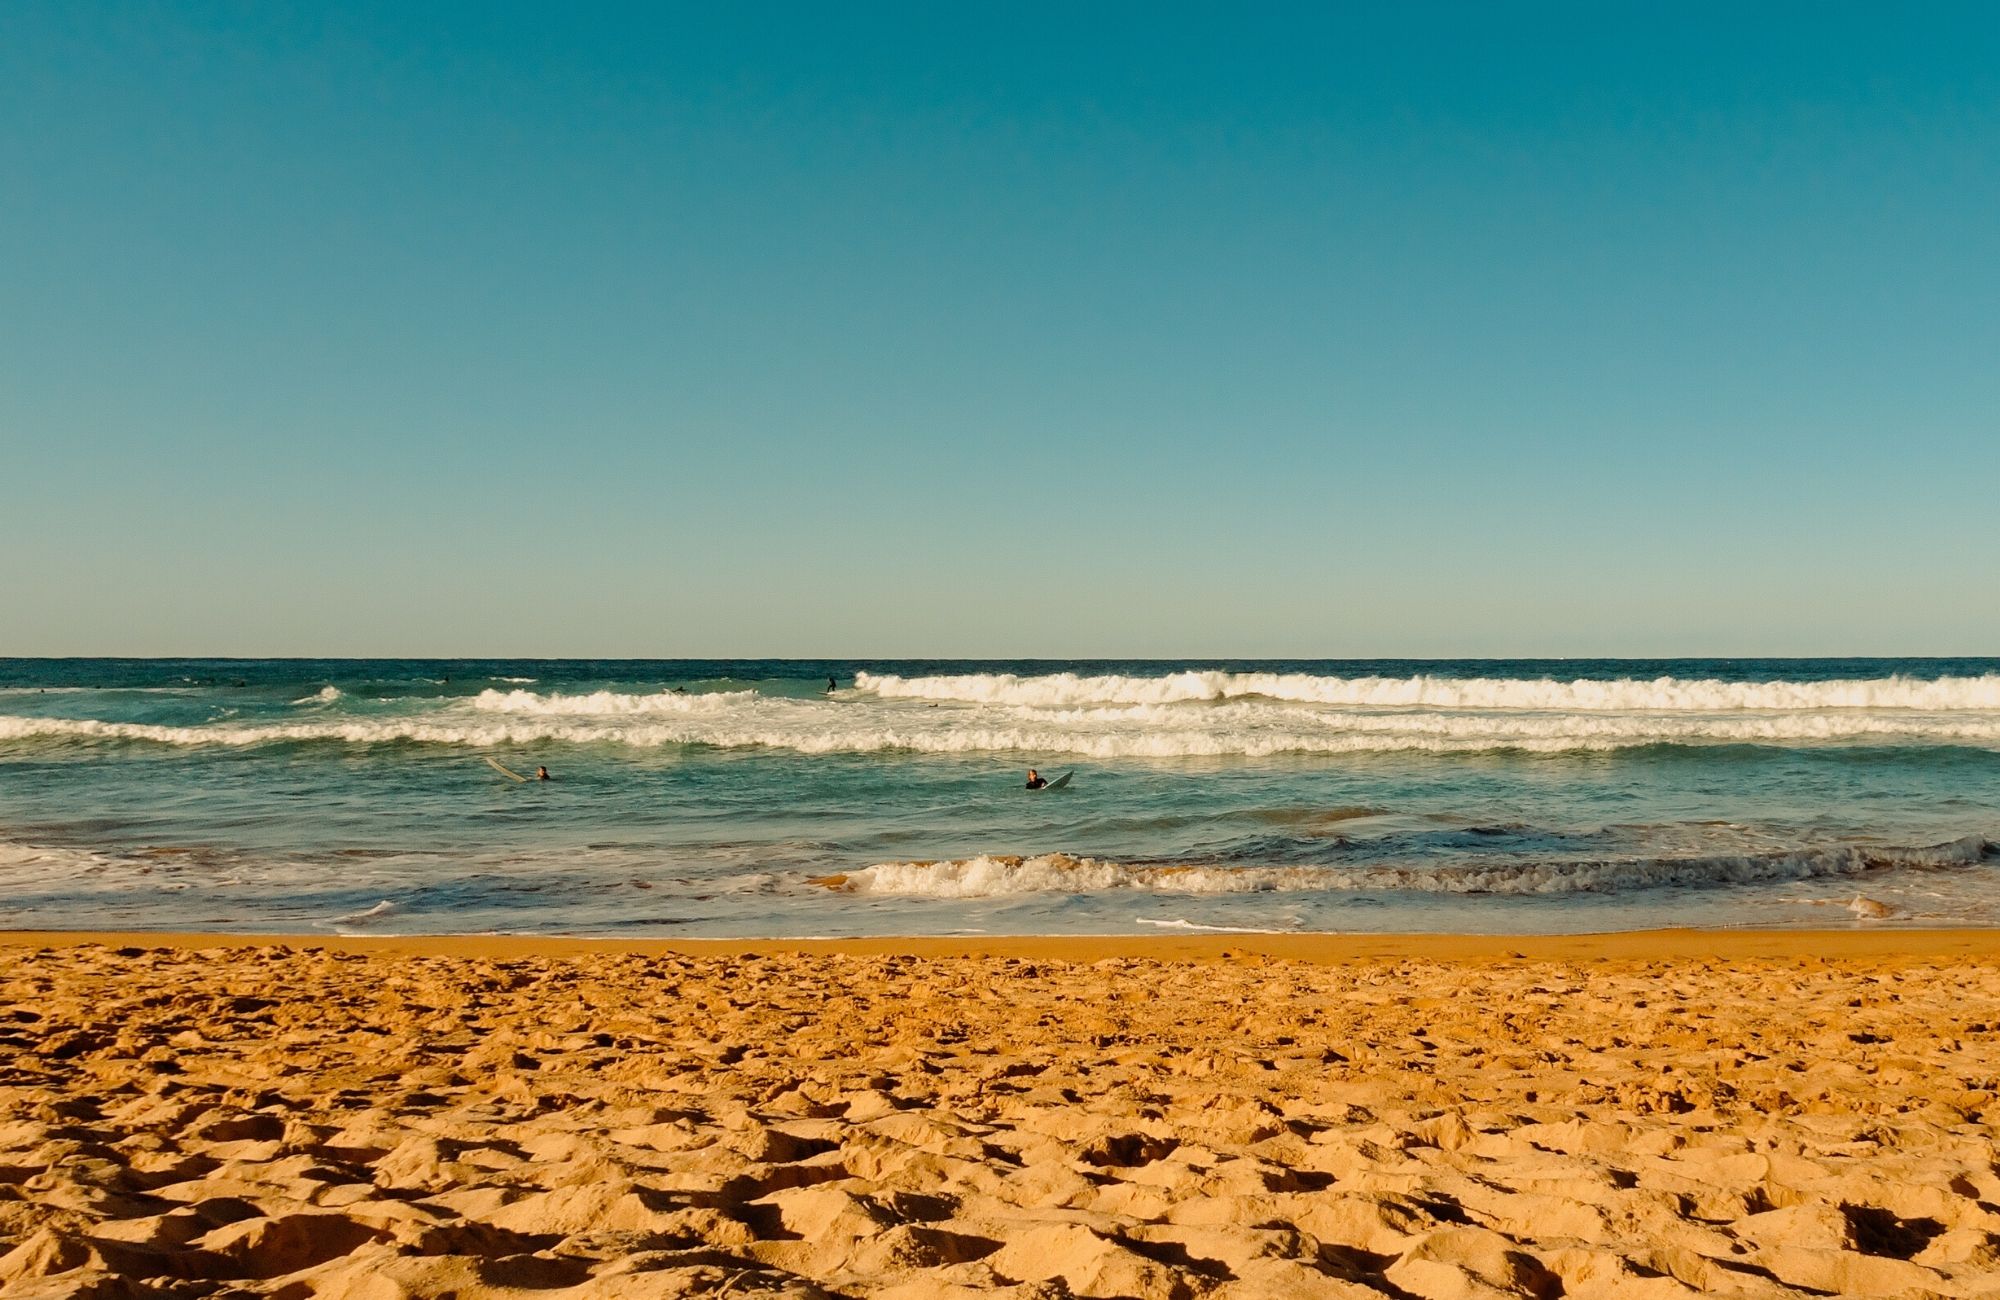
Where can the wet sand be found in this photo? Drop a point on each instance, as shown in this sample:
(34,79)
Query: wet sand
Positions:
(1659,1114)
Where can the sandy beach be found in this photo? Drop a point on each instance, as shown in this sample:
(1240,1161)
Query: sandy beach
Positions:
(1645,1115)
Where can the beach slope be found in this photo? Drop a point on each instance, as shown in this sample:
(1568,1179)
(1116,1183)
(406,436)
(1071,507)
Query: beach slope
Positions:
(1642,1116)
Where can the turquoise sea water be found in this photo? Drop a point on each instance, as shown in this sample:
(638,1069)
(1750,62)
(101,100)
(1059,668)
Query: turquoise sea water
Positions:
(742,798)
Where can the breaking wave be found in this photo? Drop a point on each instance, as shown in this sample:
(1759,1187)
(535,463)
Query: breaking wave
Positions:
(1663,694)
(1189,714)
(600,704)
(812,729)
(989,876)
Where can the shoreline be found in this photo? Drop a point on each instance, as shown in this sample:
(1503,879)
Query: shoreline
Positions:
(1320,948)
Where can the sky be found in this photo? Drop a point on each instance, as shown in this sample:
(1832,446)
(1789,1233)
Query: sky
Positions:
(957,330)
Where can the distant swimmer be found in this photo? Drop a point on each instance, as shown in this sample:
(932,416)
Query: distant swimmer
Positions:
(542,774)
(1035,781)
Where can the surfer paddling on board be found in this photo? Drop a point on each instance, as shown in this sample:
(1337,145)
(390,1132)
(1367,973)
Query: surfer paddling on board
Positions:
(1035,781)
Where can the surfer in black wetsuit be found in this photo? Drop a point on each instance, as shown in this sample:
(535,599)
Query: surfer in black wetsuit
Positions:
(542,774)
(831,686)
(1035,781)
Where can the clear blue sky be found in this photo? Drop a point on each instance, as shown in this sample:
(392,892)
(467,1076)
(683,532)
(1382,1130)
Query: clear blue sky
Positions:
(1147,330)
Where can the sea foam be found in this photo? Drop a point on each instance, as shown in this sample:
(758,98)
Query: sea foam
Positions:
(1662,694)
(608,703)
(990,876)
(811,728)
(1188,714)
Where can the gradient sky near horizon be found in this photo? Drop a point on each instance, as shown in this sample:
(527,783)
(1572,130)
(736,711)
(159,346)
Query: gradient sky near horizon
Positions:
(1150,330)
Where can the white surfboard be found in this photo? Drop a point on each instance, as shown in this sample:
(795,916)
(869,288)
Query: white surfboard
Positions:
(1059,782)
(494,763)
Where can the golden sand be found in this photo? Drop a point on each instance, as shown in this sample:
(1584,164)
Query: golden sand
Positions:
(1668,1114)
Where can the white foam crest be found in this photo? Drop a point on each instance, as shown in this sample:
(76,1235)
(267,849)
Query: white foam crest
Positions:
(599,704)
(1253,720)
(991,876)
(1662,694)
(810,728)
(324,695)
(366,915)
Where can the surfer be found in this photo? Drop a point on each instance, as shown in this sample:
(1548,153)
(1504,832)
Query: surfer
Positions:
(542,774)
(1035,781)
(831,686)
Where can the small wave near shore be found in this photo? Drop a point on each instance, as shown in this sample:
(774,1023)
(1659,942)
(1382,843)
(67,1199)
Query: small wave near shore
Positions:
(992,876)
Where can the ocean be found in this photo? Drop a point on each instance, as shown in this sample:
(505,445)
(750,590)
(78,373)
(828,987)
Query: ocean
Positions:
(742,798)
